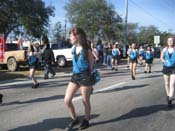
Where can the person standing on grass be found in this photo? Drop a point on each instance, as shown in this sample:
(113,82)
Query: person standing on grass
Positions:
(168,58)
(83,62)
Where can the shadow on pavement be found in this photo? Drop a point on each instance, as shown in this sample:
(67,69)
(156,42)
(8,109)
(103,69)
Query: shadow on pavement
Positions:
(43,99)
(49,124)
(135,113)
(152,76)
(45,84)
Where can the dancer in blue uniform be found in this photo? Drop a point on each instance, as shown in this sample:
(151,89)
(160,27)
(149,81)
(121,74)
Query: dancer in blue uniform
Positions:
(115,57)
(133,54)
(168,59)
(148,60)
(83,62)
(141,55)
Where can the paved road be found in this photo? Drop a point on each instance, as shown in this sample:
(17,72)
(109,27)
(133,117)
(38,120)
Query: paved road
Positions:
(118,103)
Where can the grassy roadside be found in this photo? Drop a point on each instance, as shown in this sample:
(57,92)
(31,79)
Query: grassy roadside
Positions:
(7,75)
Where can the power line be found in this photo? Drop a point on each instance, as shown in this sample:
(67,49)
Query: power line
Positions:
(148,13)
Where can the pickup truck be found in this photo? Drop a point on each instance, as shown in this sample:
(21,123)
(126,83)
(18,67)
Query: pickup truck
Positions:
(14,57)
(62,53)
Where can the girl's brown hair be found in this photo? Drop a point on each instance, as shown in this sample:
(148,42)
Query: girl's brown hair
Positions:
(81,39)
(31,48)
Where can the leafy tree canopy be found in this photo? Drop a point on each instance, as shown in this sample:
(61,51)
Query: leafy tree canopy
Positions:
(33,15)
(96,17)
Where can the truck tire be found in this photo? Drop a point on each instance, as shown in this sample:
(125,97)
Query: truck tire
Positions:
(12,65)
(61,61)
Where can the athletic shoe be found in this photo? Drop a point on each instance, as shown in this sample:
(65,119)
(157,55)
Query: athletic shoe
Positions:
(149,72)
(35,86)
(145,72)
(72,124)
(133,77)
(1,96)
(45,77)
(84,124)
(170,105)
(53,75)
(116,69)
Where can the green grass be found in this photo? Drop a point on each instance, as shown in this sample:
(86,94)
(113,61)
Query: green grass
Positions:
(7,75)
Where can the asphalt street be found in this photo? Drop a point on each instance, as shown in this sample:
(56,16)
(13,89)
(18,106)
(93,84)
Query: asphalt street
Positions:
(118,103)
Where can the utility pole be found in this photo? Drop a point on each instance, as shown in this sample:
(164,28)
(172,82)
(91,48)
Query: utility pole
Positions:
(125,28)
(65,27)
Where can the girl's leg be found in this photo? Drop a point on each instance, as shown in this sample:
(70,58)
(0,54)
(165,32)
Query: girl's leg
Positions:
(146,68)
(131,69)
(171,85)
(116,64)
(85,91)
(134,69)
(70,92)
(32,74)
(149,68)
(128,61)
(166,81)
(113,63)
(140,60)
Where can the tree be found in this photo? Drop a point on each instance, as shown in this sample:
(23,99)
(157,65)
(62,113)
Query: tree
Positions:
(33,15)
(146,34)
(132,32)
(96,17)
(57,30)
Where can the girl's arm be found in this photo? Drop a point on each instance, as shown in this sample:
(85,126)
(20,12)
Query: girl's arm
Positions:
(162,55)
(119,52)
(91,60)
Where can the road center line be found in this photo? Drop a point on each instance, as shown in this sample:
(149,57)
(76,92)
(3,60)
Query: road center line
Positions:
(104,89)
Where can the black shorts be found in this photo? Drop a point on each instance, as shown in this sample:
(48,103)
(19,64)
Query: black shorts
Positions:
(149,61)
(168,70)
(33,66)
(115,57)
(133,61)
(141,55)
(82,79)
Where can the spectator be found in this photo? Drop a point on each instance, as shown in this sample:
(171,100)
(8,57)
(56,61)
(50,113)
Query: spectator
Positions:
(48,58)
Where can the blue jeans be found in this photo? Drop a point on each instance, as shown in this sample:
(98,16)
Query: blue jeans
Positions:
(105,59)
(109,61)
(48,69)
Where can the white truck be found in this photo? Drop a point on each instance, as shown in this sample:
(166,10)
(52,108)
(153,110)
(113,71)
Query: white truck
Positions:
(62,53)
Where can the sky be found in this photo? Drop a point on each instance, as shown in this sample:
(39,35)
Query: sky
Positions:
(160,13)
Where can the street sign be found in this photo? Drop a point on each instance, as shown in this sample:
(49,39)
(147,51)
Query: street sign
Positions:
(156,40)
